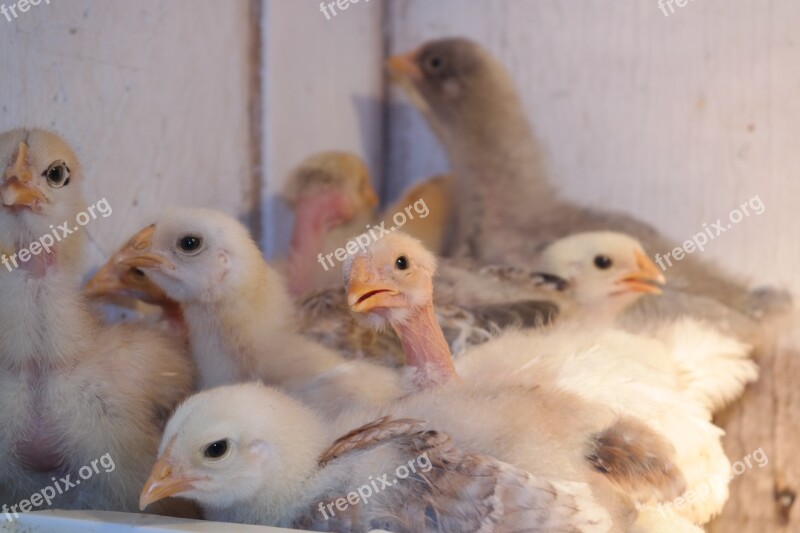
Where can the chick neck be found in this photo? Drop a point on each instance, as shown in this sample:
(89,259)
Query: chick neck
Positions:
(425,347)
(317,219)
(495,156)
(44,321)
(228,330)
(249,332)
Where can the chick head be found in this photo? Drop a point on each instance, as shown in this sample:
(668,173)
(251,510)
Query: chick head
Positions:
(233,445)
(390,279)
(604,270)
(454,82)
(40,190)
(329,173)
(194,255)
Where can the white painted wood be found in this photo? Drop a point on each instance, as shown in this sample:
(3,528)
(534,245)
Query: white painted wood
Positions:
(675,119)
(152,94)
(323,88)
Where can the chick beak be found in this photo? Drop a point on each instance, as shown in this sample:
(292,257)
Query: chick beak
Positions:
(364,295)
(405,66)
(648,278)
(105,282)
(139,252)
(17,190)
(163,483)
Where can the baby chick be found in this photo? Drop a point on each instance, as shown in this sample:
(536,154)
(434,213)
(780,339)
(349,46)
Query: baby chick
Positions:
(241,320)
(276,462)
(71,390)
(605,273)
(507,208)
(333,200)
(391,282)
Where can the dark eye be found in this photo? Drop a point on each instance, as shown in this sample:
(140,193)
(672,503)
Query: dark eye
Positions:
(401,263)
(57,174)
(138,273)
(433,63)
(190,244)
(215,450)
(603,262)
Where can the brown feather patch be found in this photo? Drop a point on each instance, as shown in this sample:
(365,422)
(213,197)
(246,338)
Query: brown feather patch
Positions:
(638,460)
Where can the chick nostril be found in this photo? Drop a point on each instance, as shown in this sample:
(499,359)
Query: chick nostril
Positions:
(19,178)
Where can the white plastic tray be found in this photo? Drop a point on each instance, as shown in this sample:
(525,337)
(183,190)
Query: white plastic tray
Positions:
(108,522)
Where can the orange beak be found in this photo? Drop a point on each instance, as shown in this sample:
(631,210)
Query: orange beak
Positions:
(17,189)
(405,66)
(163,483)
(117,278)
(648,278)
(138,253)
(363,295)
(105,282)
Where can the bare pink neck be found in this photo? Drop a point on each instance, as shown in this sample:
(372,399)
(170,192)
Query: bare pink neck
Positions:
(314,218)
(426,348)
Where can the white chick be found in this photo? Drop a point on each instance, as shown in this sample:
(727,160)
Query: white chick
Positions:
(241,320)
(607,272)
(71,390)
(247,453)
(391,282)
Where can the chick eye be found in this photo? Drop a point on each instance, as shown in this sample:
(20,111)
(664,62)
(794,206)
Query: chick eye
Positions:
(434,63)
(57,174)
(401,263)
(603,262)
(190,244)
(215,450)
(138,273)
